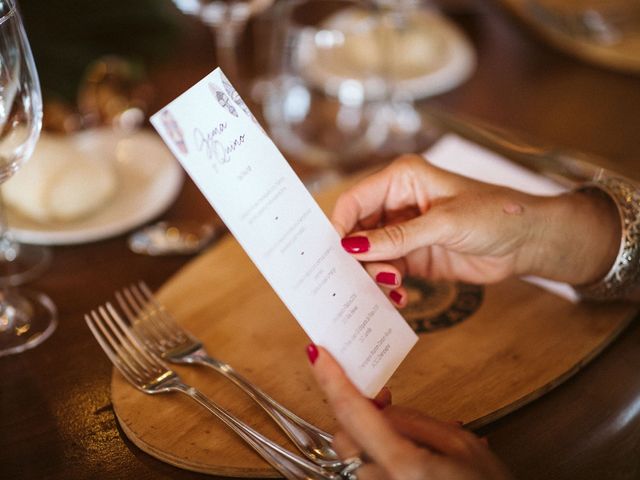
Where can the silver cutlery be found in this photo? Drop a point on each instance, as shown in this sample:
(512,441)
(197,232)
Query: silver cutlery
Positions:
(568,167)
(161,334)
(149,374)
(178,237)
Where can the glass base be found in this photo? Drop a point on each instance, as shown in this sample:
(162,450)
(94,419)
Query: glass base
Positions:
(400,128)
(21,263)
(26,319)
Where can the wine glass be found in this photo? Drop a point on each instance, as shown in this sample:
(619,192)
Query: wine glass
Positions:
(336,103)
(26,318)
(315,107)
(227,20)
(350,74)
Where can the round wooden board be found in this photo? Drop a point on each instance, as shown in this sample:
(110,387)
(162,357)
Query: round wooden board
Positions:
(519,343)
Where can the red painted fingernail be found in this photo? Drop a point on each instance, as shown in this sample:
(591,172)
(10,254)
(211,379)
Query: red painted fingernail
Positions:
(388,278)
(356,244)
(395,296)
(377,404)
(312,353)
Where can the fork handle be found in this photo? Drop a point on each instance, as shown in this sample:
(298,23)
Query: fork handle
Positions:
(291,466)
(308,438)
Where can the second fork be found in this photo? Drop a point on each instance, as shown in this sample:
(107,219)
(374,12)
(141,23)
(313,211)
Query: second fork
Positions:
(162,335)
(145,371)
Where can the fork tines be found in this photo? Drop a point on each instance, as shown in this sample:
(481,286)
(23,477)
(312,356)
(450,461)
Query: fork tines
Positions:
(121,346)
(150,319)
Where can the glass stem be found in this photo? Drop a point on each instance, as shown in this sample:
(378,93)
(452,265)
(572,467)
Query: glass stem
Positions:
(8,247)
(227,36)
(8,253)
(398,109)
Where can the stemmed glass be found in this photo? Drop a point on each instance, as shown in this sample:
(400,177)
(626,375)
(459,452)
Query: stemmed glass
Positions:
(26,318)
(312,113)
(227,20)
(402,122)
(335,103)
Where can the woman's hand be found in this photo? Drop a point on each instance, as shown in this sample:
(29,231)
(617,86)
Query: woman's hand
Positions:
(416,219)
(398,443)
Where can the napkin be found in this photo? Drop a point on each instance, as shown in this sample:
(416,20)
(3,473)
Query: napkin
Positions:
(458,155)
(64,180)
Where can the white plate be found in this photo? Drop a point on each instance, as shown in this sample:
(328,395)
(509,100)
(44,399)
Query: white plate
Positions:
(149,180)
(438,59)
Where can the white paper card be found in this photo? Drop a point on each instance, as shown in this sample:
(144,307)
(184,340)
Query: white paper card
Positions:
(283,230)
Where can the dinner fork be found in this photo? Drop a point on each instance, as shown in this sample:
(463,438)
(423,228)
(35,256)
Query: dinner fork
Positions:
(148,373)
(161,334)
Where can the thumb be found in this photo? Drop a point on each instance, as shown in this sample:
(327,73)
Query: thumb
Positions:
(435,227)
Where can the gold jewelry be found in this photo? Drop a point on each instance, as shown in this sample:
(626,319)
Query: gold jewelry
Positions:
(624,276)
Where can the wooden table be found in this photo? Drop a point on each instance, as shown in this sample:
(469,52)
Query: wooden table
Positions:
(56,420)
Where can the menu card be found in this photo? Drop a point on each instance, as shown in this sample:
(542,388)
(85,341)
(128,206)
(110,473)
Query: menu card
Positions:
(277,222)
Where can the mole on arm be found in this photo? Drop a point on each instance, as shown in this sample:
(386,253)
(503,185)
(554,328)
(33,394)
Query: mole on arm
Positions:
(513,208)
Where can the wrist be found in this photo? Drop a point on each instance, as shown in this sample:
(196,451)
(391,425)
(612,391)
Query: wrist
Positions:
(577,238)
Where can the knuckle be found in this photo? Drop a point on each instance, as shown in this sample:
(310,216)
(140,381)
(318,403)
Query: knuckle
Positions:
(396,237)
(340,438)
(408,161)
(414,466)
(464,443)
(410,158)
(344,200)
(347,194)
(344,446)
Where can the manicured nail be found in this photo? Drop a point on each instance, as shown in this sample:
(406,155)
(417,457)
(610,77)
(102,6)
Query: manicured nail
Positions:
(312,353)
(395,296)
(356,244)
(377,403)
(387,278)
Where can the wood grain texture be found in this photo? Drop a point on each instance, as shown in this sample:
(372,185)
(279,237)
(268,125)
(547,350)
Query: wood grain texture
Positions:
(519,344)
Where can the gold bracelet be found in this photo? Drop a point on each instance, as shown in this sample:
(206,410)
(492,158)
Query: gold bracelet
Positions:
(624,276)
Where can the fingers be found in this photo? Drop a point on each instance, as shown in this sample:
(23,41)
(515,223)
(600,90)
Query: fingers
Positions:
(442,437)
(345,446)
(385,274)
(451,441)
(363,201)
(409,182)
(360,419)
(399,296)
(411,204)
(390,440)
(371,472)
(397,240)
(389,277)
(383,399)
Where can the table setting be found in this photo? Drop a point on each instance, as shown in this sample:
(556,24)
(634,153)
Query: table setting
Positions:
(140,294)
